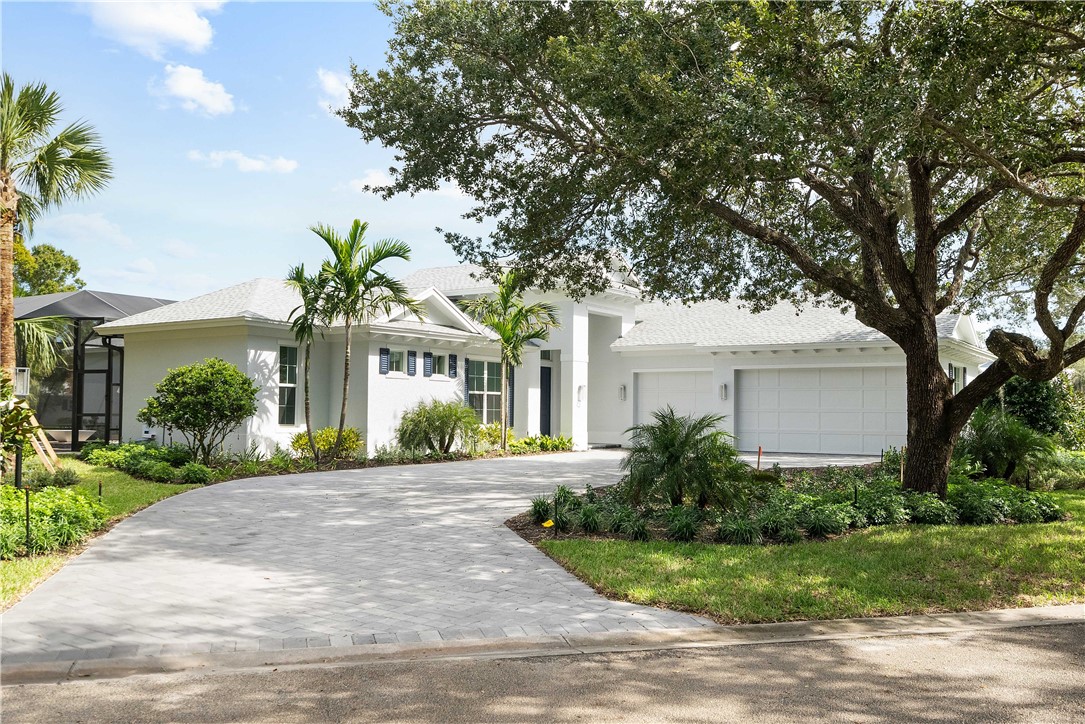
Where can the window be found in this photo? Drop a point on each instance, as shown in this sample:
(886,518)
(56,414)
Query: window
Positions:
(484,390)
(959,375)
(397,361)
(288,385)
(545,355)
(440,364)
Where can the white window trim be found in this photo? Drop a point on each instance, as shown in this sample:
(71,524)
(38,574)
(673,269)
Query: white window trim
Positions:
(497,394)
(439,375)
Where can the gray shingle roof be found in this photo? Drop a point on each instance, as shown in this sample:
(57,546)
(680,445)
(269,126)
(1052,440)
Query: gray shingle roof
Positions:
(450,279)
(726,324)
(264,299)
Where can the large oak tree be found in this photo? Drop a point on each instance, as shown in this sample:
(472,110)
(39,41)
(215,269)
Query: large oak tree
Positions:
(901,159)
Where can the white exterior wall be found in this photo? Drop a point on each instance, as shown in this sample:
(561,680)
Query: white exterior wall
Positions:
(393,394)
(148,356)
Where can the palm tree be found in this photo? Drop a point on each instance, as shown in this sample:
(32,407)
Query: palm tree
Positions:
(39,342)
(305,319)
(356,289)
(515,324)
(37,172)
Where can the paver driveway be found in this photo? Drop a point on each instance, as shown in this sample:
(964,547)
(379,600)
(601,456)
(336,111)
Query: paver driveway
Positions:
(383,555)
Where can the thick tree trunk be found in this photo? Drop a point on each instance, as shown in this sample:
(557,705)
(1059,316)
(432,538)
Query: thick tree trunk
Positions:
(932,428)
(7,292)
(346,390)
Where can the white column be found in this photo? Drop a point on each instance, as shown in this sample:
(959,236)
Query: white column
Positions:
(574,375)
(528,397)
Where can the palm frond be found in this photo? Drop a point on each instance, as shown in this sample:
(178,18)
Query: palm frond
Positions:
(40,341)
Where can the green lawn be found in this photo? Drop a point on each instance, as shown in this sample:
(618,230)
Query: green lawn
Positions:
(122,496)
(875,572)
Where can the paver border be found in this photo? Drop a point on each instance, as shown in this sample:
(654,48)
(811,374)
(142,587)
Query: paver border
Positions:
(369,652)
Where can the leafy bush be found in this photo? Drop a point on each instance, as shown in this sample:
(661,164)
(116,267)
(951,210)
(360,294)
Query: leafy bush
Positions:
(540,443)
(828,519)
(396,455)
(683,523)
(204,402)
(562,519)
(195,474)
(678,457)
(156,470)
(437,426)
(929,509)
(16,422)
(64,478)
(621,519)
(565,498)
(1004,445)
(740,530)
(637,529)
(58,517)
(325,443)
(775,520)
(589,518)
(1065,472)
(882,505)
(282,462)
(489,436)
(540,510)
(1045,406)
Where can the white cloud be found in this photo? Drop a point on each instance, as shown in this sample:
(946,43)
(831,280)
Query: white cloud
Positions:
(153,27)
(143,265)
(195,92)
(372,177)
(333,89)
(180,249)
(245,164)
(88,229)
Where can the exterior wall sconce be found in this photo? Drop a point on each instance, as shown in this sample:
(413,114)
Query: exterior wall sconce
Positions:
(580,395)
(621,392)
(723,391)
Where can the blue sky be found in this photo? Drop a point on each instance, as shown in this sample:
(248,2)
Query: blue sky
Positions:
(215,117)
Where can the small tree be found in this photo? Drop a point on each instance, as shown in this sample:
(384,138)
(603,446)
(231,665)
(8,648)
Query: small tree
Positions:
(304,321)
(16,424)
(515,324)
(205,402)
(437,426)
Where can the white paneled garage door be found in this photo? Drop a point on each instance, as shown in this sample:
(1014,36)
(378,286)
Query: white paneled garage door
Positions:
(689,393)
(845,410)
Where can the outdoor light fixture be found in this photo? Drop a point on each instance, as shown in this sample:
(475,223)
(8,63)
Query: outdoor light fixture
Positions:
(723,391)
(621,392)
(579,395)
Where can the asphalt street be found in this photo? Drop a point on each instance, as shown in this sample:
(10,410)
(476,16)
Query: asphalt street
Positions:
(1008,675)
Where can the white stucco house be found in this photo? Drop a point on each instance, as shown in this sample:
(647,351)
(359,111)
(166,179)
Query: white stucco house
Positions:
(816,381)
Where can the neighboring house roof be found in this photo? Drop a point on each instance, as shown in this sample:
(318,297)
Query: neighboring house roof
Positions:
(716,324)
(274,301)
(85,303)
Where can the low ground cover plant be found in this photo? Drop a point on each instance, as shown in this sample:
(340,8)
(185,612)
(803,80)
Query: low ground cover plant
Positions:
(59,517)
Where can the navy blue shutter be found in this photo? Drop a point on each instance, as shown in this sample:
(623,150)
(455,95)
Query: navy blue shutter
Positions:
(384,361)
(452,366)
(412,362)
(466,381)
(512,397)
(427,364)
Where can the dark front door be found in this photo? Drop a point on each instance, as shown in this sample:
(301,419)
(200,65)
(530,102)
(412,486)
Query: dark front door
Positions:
(544,401)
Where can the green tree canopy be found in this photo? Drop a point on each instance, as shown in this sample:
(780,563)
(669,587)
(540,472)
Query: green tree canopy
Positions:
(901,159)
(44,269)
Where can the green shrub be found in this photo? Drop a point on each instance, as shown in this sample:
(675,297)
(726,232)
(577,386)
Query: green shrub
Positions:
(774,521)
(980,503)
(539,443)
(882,505)
(739,529)
(929,509)
(589,518)
(562,519)
(204,402)
(540,510)
(565,498)
(489,436)
(675,458)
(683,523)
(88,448)
(1005,446)
(195,474)
(621,519)
(156,470)
(789,535)
(325,443)
(280,461)
(64,477)
(1065,472)
(175,455)
(58,517)
(828,519)
(437,427)
(637,529)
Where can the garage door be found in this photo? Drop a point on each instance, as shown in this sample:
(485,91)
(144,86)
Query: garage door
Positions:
(845,410)
(689,393)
